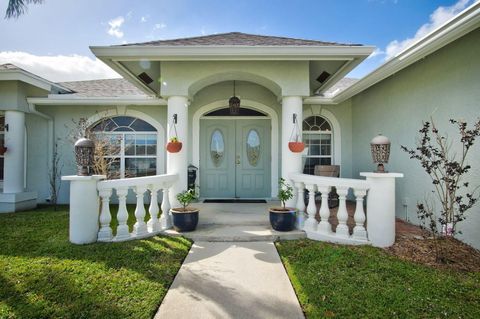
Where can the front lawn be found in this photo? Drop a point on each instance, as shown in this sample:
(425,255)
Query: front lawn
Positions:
(366,282)
(42,275)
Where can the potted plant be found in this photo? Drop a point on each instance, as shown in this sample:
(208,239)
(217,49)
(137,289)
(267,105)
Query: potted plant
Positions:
(296,147)
(185,218)
(174,146)
(283,218)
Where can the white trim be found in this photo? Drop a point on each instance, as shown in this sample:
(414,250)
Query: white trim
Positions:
(96,101)
(145,117)
(30,78)
(336,133)
(272,115)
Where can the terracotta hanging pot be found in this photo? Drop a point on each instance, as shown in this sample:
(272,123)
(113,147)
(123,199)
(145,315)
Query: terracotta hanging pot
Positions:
(174,147)
(3,149)
(296,147)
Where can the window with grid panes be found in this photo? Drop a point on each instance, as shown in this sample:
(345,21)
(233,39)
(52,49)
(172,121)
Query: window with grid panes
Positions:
(317,136)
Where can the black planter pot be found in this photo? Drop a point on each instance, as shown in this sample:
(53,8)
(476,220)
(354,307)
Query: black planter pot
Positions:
(282,220)
(184,221)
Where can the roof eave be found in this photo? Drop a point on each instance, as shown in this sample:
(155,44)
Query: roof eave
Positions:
(30,78)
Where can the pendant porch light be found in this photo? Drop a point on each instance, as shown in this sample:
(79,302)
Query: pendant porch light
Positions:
(234,103)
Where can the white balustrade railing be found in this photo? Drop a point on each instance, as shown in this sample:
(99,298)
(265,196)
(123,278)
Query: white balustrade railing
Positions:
(140,185)
(322,229)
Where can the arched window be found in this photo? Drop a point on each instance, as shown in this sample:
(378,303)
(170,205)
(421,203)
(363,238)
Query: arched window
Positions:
(130,146)
(2,143)
(317,136)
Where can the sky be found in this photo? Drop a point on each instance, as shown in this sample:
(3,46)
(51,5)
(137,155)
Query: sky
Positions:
(52,39)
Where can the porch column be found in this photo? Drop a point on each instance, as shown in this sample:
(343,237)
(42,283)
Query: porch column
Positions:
(291,162)
(177,163)
(14,169)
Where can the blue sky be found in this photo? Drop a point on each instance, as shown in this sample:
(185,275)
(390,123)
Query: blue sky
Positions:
(52,39)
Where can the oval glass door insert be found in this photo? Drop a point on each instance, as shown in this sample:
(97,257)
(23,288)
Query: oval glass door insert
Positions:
(253,147)
(217,147)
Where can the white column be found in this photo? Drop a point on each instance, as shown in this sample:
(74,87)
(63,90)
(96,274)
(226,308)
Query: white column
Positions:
(177,163)
(381,208)
(14,169)
(84,208)
(291,162)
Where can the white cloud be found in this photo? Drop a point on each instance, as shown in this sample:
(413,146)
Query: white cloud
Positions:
(159,26)
(376,52)
(60,68)
(143,19)
(115,25)
(437,18)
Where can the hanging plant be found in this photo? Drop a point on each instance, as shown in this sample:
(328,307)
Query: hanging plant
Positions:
(295,145)
(174,145)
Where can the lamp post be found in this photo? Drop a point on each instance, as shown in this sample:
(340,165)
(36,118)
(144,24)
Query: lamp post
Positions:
(84,153)
(380,147)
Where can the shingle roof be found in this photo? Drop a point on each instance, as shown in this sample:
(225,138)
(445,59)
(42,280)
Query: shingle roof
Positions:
(103,88)
(240,39)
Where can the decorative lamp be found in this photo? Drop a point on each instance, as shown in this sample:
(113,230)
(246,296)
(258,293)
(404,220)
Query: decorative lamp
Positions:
(234,103)
(380,146)
(84,152)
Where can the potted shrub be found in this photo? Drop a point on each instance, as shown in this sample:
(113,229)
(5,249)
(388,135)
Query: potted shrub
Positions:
(185,218)
(283,218)
(174,146)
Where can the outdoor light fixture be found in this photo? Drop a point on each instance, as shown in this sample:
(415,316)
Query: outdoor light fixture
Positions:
(380,146)
(84,152)
(234,103)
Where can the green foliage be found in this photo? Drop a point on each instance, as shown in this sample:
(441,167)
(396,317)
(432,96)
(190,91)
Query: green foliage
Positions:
(16,8)
(44,276)
(186,197)
(365,282)
(285,191)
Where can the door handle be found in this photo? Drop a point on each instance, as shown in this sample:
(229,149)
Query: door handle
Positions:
(237,160)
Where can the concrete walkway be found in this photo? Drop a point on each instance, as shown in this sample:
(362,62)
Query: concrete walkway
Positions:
(231,280)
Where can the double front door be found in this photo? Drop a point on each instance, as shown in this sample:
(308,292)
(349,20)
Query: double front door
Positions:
(235,158)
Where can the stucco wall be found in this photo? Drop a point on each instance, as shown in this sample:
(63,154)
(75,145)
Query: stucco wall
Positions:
(443,85)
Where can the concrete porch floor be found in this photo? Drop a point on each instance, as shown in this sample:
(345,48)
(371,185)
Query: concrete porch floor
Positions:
(236,222)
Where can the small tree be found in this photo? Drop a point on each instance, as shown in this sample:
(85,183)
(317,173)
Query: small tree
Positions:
(447,172)
(54,175)
(285,191)
(186,197)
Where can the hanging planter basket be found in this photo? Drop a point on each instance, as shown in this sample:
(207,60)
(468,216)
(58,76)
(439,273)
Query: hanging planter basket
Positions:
(174,147)
(295,145)
(3,150)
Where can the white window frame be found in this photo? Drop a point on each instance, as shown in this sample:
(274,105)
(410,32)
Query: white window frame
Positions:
(320,132)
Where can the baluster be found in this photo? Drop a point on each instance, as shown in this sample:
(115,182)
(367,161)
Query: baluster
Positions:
(122,215)
(165,218)
(300,205)
(342,214)
(140,227)
(359,231)
(105,232)
(153,223)
(324,225)
(311,222)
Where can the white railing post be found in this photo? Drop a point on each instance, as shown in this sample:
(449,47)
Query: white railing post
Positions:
(84,208)
(300,205)
(311,222)
(140,227)
(359,231)
(342,214)
(324,225)
(381,208)
(165,218)
(153,223)
(122,215)
(105,232)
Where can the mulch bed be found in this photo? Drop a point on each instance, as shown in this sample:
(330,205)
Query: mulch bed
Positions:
(411,245)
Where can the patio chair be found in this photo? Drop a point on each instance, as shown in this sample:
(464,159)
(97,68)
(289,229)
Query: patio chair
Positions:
(329,171)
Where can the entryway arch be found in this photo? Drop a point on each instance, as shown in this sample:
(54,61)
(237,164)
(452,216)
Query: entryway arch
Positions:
(274,137)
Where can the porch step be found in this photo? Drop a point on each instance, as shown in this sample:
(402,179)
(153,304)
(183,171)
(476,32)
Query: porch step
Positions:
(238,233)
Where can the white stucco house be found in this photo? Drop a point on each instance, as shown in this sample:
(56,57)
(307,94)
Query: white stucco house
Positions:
(243,155)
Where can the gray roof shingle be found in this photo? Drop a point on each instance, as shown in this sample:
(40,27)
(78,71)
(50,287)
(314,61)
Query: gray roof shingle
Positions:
(239,39)
(103,88)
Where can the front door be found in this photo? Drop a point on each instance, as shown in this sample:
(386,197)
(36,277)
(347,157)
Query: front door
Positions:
(235,158)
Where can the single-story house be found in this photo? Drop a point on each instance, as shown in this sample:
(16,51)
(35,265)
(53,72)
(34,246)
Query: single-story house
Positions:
(182,88)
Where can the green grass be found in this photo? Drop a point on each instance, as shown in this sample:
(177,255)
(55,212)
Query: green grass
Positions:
(42,275)
(365,282)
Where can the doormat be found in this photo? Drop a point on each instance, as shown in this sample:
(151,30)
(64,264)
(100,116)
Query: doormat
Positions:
(243,201)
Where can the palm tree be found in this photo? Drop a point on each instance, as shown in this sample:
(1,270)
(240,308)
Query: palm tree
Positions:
(18,7)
